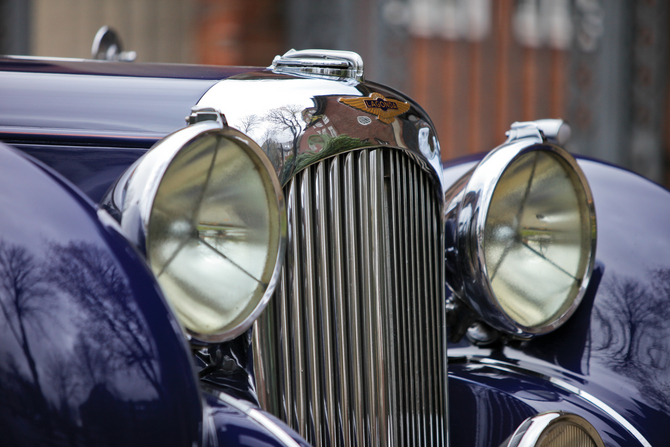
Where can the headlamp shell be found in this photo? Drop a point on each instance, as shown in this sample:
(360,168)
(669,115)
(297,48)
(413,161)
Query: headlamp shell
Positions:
(206,208)
(521,235)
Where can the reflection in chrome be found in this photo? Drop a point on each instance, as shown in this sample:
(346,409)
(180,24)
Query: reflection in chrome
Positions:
(350,351)
(523,217)
(320,63)
(554,429)
(206,208)
(259,417)
(299,120)
(504,366)
(603,406)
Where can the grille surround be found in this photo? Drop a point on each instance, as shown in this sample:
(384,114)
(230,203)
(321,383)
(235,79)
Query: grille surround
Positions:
(352,349)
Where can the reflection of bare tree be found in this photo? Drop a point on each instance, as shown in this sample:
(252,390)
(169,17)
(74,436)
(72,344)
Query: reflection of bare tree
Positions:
(19,400)
(109,313)
(62,376)
(249,123)
(21,293)
(93,363)
(289,118)
(631,322)
(273,149)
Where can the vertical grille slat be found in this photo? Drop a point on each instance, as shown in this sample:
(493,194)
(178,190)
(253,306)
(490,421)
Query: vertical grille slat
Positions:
(432,309)
(390,311)
(286,390)
(358,396)
(410,349)
(325,301)
(397,308)
(312,324)
(414,283)
(341,325)
(299,404)
(351,349)
(364,213)
(442,313)
(427,277)
(440,329)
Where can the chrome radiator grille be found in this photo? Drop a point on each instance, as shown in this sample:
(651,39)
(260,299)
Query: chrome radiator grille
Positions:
(351,350)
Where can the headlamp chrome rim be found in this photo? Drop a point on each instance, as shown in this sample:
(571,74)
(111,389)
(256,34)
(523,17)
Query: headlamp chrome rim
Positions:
(533,430)
(469,207)
(136,191)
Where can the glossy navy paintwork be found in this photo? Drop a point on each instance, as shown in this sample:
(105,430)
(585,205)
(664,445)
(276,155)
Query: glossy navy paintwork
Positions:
(90,120)
(87,106)
(615,347)
(92,169)
(89,351)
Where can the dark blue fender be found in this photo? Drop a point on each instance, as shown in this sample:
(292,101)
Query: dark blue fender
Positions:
(610,363)
(90,353)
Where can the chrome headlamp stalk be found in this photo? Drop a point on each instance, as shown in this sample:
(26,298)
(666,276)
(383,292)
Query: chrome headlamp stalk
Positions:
(205,207)
(521,233)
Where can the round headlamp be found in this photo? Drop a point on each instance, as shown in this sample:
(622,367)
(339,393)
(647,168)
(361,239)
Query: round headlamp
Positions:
(206,206)
(525,237)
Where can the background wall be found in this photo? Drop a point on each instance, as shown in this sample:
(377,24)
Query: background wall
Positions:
(475,65)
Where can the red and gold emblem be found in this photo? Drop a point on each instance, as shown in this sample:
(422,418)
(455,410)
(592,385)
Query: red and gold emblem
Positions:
(385,109)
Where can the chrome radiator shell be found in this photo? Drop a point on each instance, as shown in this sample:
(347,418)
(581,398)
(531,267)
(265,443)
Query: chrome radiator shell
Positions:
(352,349)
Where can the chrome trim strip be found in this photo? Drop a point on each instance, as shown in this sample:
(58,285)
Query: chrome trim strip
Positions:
(442,311)
(425,303)
(409,299)
(285,366)
(260,369)
(532,429)
(387,299)
(339,285)
(429,280)
(366,214)
(566,387)
(603,406)
(324,282)
(379,290)
(398,348)
(311,310)
(259,417)
(300,398)
(354,316)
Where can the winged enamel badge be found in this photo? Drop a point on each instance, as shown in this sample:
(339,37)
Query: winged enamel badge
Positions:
(385,109)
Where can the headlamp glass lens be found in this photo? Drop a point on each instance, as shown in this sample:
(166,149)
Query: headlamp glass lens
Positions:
(537,239)
(213,235)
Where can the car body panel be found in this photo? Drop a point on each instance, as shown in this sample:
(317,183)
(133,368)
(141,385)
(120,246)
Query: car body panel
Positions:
(90,350)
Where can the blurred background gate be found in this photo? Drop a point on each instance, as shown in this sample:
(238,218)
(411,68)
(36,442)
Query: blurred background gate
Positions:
(475,65)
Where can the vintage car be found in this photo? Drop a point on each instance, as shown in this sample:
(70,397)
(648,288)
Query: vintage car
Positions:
(203,256)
